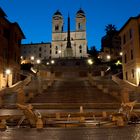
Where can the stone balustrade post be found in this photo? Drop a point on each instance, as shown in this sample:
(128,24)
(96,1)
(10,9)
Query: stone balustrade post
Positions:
(102,73)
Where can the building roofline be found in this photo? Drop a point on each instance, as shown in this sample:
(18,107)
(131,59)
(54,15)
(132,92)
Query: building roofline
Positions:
(131,18)
(15,23)
(37,43)
(2,12)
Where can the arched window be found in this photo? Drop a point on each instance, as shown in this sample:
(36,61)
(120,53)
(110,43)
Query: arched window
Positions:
(80,47)
(56,27)
(79,26)
(62,28)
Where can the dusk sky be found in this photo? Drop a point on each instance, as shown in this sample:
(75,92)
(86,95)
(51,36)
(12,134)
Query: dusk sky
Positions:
(35,16)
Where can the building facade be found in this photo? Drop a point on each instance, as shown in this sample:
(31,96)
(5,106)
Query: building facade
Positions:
(10,43)
(34,51)
(77,38)
(130,44)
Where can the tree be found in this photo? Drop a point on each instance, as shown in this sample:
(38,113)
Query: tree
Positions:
(110,29)
(107,40)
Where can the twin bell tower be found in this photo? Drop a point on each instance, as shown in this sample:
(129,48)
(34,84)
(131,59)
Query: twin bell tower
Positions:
(69,44)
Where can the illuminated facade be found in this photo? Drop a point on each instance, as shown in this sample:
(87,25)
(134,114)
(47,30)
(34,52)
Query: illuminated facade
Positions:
(10,41)
(130,43)
(77,38)
(41,51)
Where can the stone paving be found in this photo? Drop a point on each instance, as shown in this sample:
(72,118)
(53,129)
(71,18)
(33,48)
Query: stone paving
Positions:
(124,133)
(73,91)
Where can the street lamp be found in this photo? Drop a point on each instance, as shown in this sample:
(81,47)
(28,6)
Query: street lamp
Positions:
(8,72)
(38,61)
(108,57)
(90,62)
(32,59)
(59,53)
(47,63)
(52,63)
(121,53)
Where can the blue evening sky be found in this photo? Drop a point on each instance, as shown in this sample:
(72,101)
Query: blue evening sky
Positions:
(35,16)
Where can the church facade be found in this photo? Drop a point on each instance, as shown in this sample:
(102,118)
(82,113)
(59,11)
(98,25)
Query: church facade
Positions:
(76,39)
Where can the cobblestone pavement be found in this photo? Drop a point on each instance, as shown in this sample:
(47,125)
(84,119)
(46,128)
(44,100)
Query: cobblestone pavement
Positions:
(73,91)
(124,133)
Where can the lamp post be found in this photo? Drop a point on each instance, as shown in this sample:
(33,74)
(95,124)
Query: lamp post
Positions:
(90,62)
(59,53)
(32,59)
(52,63)
(8,71)
(121,53)
(108,57)
(38,61)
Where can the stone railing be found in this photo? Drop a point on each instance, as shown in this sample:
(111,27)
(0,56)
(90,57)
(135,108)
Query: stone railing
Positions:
(20,84)
(122,83)
(105,87)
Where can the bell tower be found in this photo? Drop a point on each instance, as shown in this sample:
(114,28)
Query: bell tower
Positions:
(57,22)
(80,21)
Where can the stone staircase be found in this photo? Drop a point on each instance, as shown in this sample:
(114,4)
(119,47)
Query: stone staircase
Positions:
(106,85)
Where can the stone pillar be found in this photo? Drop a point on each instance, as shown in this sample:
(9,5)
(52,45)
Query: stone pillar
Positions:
(102,73)
(81,109)
(39,123)
(3,124)
(104,114)
(120,121)
(57,115)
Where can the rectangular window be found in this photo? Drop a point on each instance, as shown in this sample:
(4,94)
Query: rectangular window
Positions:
(40,55)
(56,52)
(16,38)
(131,54)
(125,59)
(40,49)
(6,33)
(126,76)
(50,51)
(124,39)
(19,43)
(133,73)
(130,33)
(80,51)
